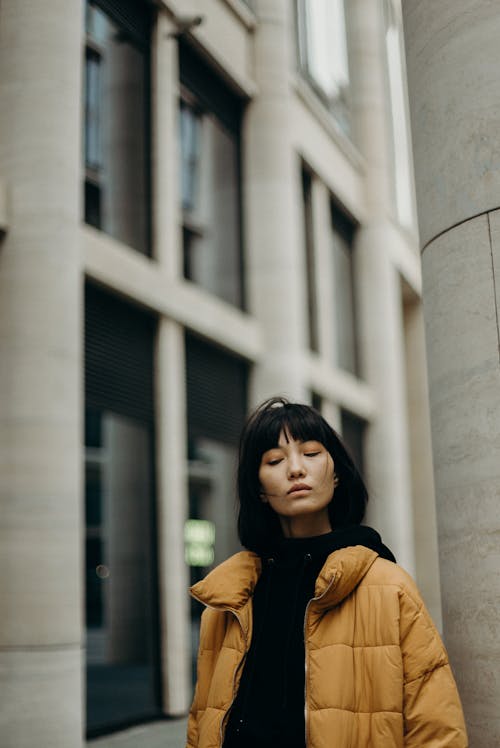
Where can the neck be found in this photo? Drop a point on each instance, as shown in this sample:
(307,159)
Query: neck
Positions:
(307,526)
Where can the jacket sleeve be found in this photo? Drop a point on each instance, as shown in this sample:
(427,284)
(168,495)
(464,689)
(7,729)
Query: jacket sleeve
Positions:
(212,631)
(432,709)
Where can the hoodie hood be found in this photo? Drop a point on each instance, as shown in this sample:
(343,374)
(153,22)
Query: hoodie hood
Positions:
(288,550)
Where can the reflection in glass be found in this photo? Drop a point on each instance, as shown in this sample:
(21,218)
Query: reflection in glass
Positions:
(116,138)
(119,594)
(312,304)
(323,53)
(190,123)
(353,433)
(401,152)
(210,202)
(93,117)
(216,389)
(342,247)
(212,468)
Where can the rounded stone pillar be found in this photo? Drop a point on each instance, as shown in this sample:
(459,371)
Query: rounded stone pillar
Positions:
(453,76)
(378,290)
(40,380)
(277,271)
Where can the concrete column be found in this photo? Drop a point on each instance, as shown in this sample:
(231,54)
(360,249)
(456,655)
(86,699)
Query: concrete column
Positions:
(167,213)
(422,476)
(40,376)
(275,255)
(172,514)
(452,60)
(379,300)
(171,460)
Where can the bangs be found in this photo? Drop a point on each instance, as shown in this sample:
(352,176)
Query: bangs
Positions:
(299,422)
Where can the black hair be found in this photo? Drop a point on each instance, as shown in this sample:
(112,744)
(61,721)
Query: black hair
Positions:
(258,525)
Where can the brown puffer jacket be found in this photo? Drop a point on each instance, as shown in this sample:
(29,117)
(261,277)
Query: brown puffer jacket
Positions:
(377,673)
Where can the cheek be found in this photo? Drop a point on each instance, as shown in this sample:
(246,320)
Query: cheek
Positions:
(270,482)
(325,467)
(261,476)
(329,472)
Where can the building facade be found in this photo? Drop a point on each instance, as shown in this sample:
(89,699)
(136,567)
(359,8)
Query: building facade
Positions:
(202,204)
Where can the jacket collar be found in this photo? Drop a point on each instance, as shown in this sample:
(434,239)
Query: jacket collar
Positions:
(342,572)
(230,585)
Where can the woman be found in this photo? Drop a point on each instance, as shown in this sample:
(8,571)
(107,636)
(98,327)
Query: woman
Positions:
(314,637)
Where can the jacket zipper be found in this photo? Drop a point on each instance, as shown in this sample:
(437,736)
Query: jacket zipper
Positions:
(235,614)
(313,599)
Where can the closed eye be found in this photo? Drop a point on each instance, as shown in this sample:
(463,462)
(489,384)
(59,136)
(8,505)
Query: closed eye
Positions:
(275,462)
(311,454)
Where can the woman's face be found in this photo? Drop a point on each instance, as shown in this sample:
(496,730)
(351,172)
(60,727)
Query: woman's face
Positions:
(296,479)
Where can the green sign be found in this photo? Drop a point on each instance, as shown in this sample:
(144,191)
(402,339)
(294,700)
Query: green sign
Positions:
(199,539)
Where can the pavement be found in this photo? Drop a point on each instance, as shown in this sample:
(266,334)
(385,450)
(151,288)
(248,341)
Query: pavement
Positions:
(165,734)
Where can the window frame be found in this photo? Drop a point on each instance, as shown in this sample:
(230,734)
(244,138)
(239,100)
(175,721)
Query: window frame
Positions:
(92,177)
(338,107)
(104,350)
(201,89)
(345,227)
(307,191)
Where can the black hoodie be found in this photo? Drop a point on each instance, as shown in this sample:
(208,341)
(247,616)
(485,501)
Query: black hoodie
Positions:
(269,708)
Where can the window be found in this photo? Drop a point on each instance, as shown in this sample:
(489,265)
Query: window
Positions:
(312,303)
(342,237)
(116,122)
(120,559)
(398,115)
(216,409)
(93,116)
(209,123)
(353,434)
(323,57)
(317,401)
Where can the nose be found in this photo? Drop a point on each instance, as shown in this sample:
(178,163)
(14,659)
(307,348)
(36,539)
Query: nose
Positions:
(296,467)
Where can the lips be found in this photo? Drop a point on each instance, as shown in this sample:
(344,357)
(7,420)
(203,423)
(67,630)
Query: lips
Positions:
(299,487)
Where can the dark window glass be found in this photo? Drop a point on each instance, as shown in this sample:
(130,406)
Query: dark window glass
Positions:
(209,122)
(342,248)
(121,616)
(310,259)
(217,403)
(117,137)
(93,428)
(92,204)
(94,591)
(353,433)
(93,495)
(316,401)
